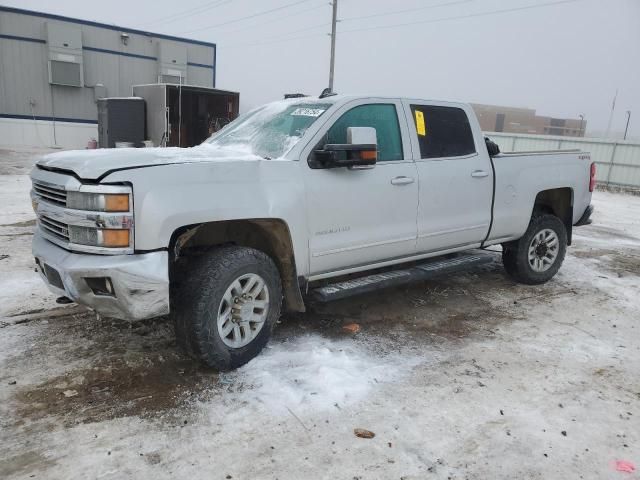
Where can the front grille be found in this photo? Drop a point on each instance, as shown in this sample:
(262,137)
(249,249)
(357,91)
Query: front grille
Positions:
(54,227)
(50,193)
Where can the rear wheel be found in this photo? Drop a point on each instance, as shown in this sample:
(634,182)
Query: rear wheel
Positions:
(225,311)
(537,256)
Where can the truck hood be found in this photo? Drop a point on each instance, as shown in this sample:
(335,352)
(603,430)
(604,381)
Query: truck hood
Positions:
(94,164)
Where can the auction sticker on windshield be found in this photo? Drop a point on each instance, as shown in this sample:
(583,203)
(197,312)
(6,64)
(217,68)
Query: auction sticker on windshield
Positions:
(308,112)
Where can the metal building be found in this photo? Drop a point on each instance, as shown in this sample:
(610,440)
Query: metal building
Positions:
(53,69)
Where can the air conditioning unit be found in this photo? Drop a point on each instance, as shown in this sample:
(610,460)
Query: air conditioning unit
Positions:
(64,43)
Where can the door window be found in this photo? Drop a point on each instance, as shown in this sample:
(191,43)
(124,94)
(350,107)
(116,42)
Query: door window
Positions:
(442,131)
(383,118)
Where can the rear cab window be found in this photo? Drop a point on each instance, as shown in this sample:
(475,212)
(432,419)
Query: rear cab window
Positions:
(443,132)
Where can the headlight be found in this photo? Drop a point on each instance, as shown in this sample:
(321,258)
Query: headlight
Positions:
(111,229)
(98,202)
(111,238)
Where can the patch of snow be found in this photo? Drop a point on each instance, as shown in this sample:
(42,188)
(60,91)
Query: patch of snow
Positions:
(21,288)
(312,373)
(15,200)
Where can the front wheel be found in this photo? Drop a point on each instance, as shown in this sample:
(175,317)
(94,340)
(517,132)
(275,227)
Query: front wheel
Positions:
(226,310)
(538,255)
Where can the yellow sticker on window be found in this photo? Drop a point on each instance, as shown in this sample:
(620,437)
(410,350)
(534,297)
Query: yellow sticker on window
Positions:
(420,126)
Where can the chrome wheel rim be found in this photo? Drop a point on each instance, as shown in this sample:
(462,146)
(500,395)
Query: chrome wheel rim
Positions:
(543,250)
(243,310)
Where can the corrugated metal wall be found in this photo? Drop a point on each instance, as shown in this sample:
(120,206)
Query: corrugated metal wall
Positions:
(618,162)
(24,85)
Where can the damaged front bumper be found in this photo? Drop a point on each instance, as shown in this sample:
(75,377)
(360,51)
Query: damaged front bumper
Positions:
(130,287)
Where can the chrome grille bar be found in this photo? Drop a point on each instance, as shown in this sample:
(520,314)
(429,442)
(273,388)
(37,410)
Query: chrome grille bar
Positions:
(58,229)
(51,193)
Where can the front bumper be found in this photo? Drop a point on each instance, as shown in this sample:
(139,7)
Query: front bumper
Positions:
(140,281)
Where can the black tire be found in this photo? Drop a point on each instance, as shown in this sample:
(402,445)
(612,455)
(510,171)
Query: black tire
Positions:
(515,255)
(197,300)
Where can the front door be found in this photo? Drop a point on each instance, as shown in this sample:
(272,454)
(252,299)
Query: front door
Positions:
(361,216)
(456,178)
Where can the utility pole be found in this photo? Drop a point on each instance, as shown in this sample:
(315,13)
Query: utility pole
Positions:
(626,129)
(334,20)
(613,108)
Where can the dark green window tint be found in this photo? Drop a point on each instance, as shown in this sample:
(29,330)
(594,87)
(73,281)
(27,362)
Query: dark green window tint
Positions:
(383,118)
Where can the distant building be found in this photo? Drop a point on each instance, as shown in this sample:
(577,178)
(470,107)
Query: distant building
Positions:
(494,118)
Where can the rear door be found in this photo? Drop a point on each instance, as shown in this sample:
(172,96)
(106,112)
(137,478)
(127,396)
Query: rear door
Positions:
(360,216)
(455,174)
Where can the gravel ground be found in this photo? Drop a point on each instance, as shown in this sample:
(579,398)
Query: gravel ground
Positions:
(471,376)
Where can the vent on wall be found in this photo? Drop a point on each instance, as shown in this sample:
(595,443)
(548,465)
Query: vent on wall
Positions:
(65,54)
(65,73)
(173,79)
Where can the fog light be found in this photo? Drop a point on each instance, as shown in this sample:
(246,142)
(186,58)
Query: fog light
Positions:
(101,286)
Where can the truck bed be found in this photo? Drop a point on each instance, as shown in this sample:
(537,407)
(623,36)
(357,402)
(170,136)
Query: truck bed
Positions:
(521,176)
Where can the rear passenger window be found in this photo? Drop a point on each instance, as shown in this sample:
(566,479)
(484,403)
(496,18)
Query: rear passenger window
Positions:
(442,131)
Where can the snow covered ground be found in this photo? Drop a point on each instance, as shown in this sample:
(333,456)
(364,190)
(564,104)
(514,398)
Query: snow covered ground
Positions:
(470,376)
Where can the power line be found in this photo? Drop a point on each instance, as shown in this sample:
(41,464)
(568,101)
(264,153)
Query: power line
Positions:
(457,17)
(407,10)
(280,18)
(236,20)
(276,41)
(325,24)
(303,29)
(188,13)
(435,20)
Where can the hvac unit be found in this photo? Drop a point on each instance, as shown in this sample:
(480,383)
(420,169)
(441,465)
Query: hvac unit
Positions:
(65,55)
(121,120)
(172,63)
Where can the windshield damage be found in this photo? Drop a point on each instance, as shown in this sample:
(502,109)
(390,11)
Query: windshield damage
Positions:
(270,131)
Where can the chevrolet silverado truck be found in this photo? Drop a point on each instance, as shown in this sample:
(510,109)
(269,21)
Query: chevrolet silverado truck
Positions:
(309,197)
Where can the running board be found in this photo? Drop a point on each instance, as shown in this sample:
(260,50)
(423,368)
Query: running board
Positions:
(425,271)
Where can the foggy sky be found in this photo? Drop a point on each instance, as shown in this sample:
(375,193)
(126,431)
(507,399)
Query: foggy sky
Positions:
(563,60)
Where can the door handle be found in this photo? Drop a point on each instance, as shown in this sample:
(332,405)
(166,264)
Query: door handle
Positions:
(479,174)
(402,180)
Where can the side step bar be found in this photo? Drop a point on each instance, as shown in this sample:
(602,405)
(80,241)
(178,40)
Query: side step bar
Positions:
(425,271)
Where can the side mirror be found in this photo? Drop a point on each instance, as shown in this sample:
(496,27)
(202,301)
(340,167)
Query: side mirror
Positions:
(361,149)
(492,147)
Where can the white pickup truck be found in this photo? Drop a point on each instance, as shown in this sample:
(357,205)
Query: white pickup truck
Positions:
(290,200)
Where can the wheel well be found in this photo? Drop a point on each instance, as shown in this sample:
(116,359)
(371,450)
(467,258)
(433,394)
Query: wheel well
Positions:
(558,202)
(270,236)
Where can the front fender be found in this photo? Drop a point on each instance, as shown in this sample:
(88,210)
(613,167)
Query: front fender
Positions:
(168,197)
